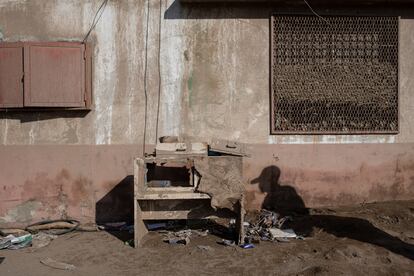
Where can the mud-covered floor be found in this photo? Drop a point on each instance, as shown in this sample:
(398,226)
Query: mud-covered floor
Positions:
(370,239)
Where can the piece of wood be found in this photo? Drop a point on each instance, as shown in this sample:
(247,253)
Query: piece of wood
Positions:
(170,190)
(176,149)
(167,196)
(140,229)
(228,147)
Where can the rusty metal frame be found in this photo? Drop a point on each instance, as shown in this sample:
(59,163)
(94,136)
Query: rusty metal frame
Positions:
(272,107)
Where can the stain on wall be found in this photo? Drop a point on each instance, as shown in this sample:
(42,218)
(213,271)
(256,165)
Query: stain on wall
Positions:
(208,68)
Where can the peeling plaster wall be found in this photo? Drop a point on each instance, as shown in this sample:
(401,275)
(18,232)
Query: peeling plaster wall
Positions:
(210,67)
(118,63)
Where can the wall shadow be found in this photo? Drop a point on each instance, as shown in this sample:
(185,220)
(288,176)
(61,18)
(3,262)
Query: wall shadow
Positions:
(284,200)
(263,9)
(34,115)
(117,206)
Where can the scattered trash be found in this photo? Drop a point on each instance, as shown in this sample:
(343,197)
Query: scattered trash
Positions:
(180,237)
(205,247)
(12,242)
(113,226)
(279,233)
(156,225)
(252,239)
(57,265)
(130,242)
(179,240)
(227,242)
(281,239)
(247,246)
(42,239)
(269,228)
(201,233)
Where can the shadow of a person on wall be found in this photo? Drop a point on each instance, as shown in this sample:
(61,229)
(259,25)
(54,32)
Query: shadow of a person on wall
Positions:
(281,199)
(284,200)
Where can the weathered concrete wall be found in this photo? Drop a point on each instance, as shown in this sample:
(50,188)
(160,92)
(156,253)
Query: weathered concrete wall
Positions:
(208,67)
(118,69)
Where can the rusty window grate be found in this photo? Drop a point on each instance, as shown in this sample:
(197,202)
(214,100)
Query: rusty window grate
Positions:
(334,75)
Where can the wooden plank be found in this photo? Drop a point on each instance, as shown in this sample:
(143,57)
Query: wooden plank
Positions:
(175,149)
(169,189)
(54,74)
(11,75)
(139,177)
(170,196)
(140,229)
(181,214)
(228,147)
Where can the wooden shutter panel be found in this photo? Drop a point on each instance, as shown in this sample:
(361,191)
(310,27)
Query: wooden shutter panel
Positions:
(11,75)
(54,74)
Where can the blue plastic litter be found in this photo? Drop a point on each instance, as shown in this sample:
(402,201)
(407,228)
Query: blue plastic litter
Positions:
(247,246)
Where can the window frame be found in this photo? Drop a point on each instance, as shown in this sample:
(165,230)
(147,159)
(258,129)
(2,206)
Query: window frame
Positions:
(272,107)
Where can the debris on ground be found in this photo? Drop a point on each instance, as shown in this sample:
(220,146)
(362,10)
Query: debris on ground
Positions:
(42,239)
(56,227)
(156,225)
(180,237)
(2,259)
(13,231)
(40,234)
(269,227)
(113,226)
(247,246)
(57,265)
(227,242)
(116,226)
(279,233)
(130,242)
(12,242)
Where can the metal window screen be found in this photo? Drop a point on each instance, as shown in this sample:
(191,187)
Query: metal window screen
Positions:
(334,75)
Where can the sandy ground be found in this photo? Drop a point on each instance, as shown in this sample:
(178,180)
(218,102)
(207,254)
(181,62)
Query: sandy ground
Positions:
(371,239)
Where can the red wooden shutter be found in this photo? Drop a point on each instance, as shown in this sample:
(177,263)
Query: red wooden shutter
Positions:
(11,75)
(54,74)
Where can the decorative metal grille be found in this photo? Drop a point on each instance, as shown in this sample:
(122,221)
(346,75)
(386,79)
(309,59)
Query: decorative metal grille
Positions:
(334,75)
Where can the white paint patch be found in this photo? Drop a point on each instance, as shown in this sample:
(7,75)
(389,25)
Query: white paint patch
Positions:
(68,14)
(259,112)
(249,91)
(172,60)
(331,139)
(131,29)
(6,131)
(8,3)
(106,74)
(31,134)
